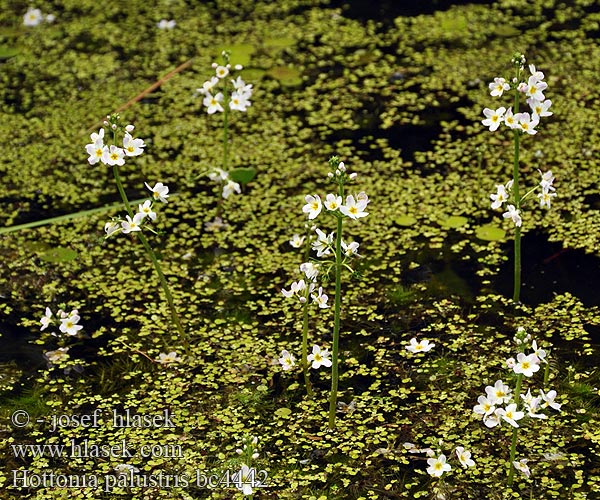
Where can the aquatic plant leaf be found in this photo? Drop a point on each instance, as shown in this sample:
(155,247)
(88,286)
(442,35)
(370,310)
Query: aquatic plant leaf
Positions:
(242,175)
(7,52)
(405,220)
(286,75)
(59,254)
(454,221)
(283,412)
(241,53)
(489,232)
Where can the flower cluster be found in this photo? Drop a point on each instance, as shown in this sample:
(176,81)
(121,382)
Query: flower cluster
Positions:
(500,404)
(246,479)
(33,17)
(218,96)
(142,217)
(504,195)
(111,154)
(437,462)
(533,90)
(302,289)
(67,322)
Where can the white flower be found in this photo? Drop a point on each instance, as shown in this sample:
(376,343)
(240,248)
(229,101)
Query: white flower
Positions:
(535,88)
(96,148)
(222,71)
(538,75)
(46,319)
(146,210)
(131,146)
(245,480)
(319,358)
(297,241)
(159,191)
(240,86)
(351,249)
(498,87)
(111,228)
(513,214)
(218,175)
(163,24)
(522,467)
(165,359)
(323,243)
(213,103)
(510,414)
(321,299)
(332,202)
(131,225)
(437,466)
(464,457)
(509,119)
(526,123)
(491,421)
(313,206)
(493,119)
(532,404)
(510,363)
(230,188)
(295,289)
(547,180)
(539,108)
(239,101)
(69,324)
(310,270)
(498,393)
(354,208)
(485,406)
(113,156)
(33,17)
(363,198)
(208,86)
(286,360)
(545,198)
(500,197)
(539,352)
(421,346)
(548,399)
(55,357)
(527,365)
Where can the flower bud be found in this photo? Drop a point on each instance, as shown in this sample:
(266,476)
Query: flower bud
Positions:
(337,172)
(239,67)
(214,65)
(114,126)
(353,175)
(330,175)
(129,128)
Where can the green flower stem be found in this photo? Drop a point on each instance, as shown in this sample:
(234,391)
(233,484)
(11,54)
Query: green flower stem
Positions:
(546,374)
(309,390)
(517,273)
(336,321)
(152,255)
(225,131)
(513,444)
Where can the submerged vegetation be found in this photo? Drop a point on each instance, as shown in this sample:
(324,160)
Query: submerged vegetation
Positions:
(130,402)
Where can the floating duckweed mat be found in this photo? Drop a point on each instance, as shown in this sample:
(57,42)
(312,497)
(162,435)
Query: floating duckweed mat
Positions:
(399,100)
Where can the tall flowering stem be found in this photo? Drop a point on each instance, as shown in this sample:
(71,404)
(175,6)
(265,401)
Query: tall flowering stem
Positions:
(336,316)
(115,156)
(520,123)
(309,390)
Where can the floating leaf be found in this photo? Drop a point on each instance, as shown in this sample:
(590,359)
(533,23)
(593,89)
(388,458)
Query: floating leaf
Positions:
(253,74)
(59,254)
(242,175)
(7,52)
(489,232)
(453,221)
(283,412)
(277,44)
(286,75)
(405,220)
(239,53)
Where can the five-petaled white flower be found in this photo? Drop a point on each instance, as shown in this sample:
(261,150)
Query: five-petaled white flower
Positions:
(547,180)
(498,393)
(549,400)
(244,480)
(354,209)
(332,202)
(296,288)
(437,466)
(323,243)
(313,206)
(33,17)
(319,358)
(498,87)
(539,108)
(297,241)
(164,24)
(510,414)
(213,103)
(111,228)
(113,156)
(539,352)
(535,88)
(159,191)
(526,123)
(522,467)
(501,195)
(286,360)
(514,214)
(131,225)
(527,365)
(222,71)
(320,299)
(545,198)
(485,406)
(350,249)
(464,457)
(55,357)
(419,346)
(493,119)
(230,187)
(166,358)
(46,319)
(133,147)
(310,270)
(69,324)
(146,210)
(239,101)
